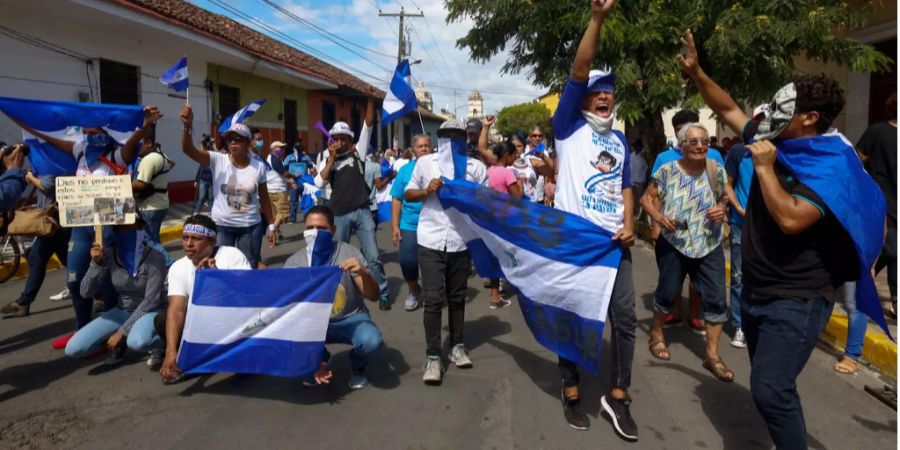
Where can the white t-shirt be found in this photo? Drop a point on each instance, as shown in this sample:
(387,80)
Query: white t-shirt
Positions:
(181,274)
(398,164)
(235,191)
(99,169)
(274,181)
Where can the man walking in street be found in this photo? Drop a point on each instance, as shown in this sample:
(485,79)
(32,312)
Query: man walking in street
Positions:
(588,147)
(443,258)
(298,165)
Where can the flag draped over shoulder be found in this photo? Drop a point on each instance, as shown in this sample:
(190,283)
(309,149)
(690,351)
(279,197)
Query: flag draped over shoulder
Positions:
(400,98)
(239,321)
(64,120)
(828,165)
(563,266)
(241,115)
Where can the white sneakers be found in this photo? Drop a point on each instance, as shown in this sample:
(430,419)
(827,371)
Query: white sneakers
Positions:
(434,370)
(739,340)
(64,295)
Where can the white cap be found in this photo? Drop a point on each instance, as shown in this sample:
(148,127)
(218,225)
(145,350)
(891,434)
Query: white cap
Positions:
(341,128)
(277,144)
(241,130)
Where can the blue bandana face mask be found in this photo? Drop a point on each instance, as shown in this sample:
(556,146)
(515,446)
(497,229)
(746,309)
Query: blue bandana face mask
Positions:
(452,157)
(319,247)
(97,145)
(130,249)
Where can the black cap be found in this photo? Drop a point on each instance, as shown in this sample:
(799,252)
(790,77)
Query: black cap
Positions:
(473,126)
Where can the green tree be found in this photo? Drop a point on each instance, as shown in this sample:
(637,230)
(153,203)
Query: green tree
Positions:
(747,46)
(522,117)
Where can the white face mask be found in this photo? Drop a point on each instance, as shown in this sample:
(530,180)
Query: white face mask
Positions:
(597,123)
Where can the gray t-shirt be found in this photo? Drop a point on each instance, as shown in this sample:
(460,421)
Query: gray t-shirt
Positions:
(348,299)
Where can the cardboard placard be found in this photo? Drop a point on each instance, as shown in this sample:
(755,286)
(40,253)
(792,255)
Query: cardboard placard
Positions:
(87,201)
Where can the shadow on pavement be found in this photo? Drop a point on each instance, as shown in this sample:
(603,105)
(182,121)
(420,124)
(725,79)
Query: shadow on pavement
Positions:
(37,335)
(873,425)
(384,372)
(32,376)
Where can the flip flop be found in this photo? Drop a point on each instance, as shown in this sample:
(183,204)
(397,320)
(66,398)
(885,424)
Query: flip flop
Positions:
(846,366)
(719,370)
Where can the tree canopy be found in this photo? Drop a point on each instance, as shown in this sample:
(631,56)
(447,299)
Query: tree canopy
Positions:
(522,117)
(748,47)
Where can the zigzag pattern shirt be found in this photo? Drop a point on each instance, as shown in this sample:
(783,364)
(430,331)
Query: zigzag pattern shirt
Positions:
(685,199)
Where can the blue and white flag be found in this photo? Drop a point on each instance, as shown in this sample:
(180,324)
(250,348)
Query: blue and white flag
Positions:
(65,120)
(176,77)
(239,321)
(563,266)
(400,98)
(241,115)
(828,165)
(311,193)
(383,197)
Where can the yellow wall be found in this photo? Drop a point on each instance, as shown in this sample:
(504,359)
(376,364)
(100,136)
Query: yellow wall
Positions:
(253,87)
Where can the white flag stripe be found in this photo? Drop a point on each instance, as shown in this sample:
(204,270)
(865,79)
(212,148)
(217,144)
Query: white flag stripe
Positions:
(297,322)
(391,103)
(573,288)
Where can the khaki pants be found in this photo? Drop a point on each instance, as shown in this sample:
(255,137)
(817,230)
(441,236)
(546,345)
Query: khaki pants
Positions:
(281,206)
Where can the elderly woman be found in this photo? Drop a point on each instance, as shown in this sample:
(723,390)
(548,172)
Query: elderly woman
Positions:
(690,210)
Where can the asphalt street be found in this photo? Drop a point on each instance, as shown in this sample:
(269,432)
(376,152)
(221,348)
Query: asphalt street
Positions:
(510,399)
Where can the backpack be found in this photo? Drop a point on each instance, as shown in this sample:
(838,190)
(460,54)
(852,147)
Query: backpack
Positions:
(147,193)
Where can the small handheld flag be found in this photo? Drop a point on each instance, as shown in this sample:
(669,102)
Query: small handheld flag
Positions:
(177,76)
(241,115)
(400,98)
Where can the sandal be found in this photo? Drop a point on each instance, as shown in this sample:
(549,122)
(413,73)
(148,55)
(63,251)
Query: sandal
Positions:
(719,370)
(656,351)
(846,366)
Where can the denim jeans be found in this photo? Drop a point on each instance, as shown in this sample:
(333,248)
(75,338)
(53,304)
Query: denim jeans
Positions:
(359,331)
(781,335)
(361,223)
(624,323)
(247,239)
(295,195)
(737,282)
(707,274)
(78,260)
(408,255)
(204,195)
(92,337)
(41,251)
(445,277)
(857,322)
(154,219)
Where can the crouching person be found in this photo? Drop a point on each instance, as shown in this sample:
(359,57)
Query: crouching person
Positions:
(350,322)
(198,240)
(138,274)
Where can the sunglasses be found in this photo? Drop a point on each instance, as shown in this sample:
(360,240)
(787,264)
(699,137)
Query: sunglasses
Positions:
(233,138)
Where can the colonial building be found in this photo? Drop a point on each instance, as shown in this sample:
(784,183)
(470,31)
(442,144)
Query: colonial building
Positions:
(476,105)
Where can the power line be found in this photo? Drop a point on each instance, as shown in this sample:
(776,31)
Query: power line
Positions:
(327,34)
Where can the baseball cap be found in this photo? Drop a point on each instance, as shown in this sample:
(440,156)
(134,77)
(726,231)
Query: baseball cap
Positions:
(239,129)
(473,126)
(341,128)
(277,144)
(601,81)
(449,127)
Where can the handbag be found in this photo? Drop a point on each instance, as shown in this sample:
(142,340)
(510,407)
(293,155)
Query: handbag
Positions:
(41,222)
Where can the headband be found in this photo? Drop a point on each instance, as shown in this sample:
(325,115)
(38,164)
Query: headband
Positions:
(194,228)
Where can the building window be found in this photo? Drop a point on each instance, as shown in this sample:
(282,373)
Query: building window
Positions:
(328,114)
(229,101)
(119,83)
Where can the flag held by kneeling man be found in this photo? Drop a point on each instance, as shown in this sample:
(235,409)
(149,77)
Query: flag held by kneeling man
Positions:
(251,321)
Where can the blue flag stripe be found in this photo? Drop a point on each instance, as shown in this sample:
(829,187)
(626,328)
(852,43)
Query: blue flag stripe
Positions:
(546,231)
(252,355)
(565,333)
(255,289)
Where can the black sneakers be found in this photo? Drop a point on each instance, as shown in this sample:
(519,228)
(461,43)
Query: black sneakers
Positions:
(572,411)
(617,410)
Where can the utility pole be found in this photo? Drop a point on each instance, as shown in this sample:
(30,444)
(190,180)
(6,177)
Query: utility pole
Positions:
(403,49)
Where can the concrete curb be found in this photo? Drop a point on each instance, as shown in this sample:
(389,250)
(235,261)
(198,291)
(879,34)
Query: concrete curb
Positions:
(878,350)
(165,235)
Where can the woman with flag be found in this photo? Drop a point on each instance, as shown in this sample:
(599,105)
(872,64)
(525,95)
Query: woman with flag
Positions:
(99,153)
(138,273)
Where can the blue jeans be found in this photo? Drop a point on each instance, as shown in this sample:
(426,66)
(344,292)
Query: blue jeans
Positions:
(707,274)
(154,220)
(247,239)
(204,195)
(41,251)
(737,282)
(296,195)
(781,335)
(408,254)
(361,223)
(857,323)
(359,331)
(78,260)
(92,337)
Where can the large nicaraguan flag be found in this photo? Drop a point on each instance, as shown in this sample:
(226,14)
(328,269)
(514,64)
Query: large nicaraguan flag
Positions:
(177,76)
(65,120)
(829,166)
(400,98)
(563,266)
(239,321)
(241,115)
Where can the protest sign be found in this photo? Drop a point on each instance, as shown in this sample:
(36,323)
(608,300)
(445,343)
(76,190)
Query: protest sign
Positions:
(85,201)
